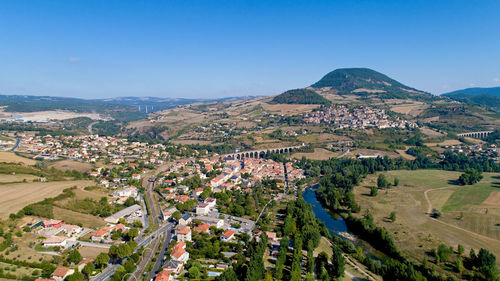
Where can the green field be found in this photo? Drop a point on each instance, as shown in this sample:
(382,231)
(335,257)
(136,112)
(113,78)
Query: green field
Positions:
(465,219)
(470,195)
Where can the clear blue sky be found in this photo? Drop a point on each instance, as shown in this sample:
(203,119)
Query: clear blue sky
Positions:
(218,48)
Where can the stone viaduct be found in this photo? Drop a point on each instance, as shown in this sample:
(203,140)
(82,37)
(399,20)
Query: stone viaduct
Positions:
(478,135)
(261,153)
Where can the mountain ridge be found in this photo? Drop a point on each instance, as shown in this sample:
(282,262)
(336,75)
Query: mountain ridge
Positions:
(362,82)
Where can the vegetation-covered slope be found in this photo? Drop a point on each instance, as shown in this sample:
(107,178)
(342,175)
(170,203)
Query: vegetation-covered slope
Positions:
(365,81)
(481,96)
(300,96)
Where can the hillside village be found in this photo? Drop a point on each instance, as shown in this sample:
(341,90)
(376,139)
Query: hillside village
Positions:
(342,116)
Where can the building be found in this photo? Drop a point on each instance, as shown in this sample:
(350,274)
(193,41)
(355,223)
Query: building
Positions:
(71,229)
(211,202)
(172,266)
(202,209)
(100,234)
(227,236)
(185,219)
(55,241)
(164,275)
(61,273)
(179,252)
(83,263)
(218,223)
(202,228)
(123,213)
(52,223)
(184,234)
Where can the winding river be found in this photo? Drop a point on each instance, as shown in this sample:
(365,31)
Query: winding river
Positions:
(334,224)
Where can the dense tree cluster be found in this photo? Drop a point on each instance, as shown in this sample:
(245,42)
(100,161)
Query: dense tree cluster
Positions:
(300,96)
(469,177)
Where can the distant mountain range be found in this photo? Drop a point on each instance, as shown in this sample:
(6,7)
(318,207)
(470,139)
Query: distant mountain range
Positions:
(355,81)
(489,97)
(493,91)
(121,108)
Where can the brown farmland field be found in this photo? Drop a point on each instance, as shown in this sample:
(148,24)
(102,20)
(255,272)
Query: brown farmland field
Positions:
(318,154)
(65,165)
(72,217)
(13,197)
(11,157)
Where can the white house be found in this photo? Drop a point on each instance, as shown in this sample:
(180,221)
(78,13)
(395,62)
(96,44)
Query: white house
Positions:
(55,241)
(202,209)
(227,236)
(184,234)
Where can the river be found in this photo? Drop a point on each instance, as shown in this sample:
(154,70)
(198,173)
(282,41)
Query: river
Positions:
(336,224)
(333,223)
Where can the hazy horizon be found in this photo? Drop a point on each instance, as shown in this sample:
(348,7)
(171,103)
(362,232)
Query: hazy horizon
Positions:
(204,49)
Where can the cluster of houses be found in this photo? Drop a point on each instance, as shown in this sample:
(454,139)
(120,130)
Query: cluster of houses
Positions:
(61,273)
(91,148)
(361,117)
(179,255)
(248,171)
(476,150)
(56,233)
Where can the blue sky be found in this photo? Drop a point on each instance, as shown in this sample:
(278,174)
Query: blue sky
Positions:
(217,48)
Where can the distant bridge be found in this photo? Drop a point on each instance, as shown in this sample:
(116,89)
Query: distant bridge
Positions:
(261,153)
(477,135)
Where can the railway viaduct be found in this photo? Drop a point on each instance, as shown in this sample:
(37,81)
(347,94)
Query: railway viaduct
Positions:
(478,135)
(261,153)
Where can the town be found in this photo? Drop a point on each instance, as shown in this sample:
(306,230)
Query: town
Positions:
(342,116)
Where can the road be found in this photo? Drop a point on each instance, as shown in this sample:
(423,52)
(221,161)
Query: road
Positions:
(142,241)
(110,270)
(159,259)
(90,126)
(18,140)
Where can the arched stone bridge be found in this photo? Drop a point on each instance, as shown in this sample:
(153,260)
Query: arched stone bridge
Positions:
(478,135)
(261,153)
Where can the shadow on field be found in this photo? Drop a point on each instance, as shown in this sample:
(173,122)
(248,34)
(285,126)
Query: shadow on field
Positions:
(453,182)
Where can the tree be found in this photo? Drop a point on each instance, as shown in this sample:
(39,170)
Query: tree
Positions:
(373,191)
(382,181)
(123,251)
(471,176)
(228,275)
(129,202)
(74,256)
(132,233)
(176,215)
(392,216)
(88,269)
(444,252)
(396,181)
(194,272)
(137,223)
(102,260)
(459,266)
(77,276)
(435,213)
(338,262)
